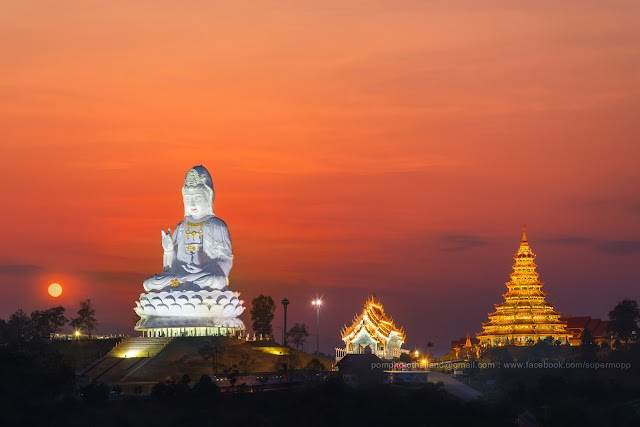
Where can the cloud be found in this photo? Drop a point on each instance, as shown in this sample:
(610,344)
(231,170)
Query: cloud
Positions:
(610,247)
(619,247)
(569,240)
(633,206)
(461,242)
(630,204)
(19,269)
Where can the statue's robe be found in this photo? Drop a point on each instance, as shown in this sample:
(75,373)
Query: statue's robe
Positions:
(203,244)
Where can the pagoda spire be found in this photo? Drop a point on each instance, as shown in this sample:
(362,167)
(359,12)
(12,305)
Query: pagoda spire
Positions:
(524,248)
(467,343)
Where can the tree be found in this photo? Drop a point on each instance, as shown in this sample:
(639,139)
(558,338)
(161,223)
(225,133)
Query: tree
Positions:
(48,322)
(165,390)
(19,329)
(586,338)
(262,312)
(430,346)
(182,388)
(204,388)
(185,380)
(86,320)
(623,320)
(298,335)
(213,350)
(314,370)
(232,374)
(293,360)
(246,363)
(405,358)
(3,331)
(287,361)
(315,365)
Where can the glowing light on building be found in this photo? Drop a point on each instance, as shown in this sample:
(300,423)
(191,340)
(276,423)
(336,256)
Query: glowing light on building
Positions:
(524,317)
(372,331)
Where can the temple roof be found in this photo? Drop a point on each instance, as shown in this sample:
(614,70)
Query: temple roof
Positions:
(375,321)
(462,342)
(597,327)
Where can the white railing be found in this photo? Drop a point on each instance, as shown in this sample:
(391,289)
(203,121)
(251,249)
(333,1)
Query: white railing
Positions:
(382,354)
(340,353)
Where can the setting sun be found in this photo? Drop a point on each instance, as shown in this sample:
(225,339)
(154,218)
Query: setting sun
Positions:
(55,290)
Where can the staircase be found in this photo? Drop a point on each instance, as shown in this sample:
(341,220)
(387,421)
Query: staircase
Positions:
(139,347)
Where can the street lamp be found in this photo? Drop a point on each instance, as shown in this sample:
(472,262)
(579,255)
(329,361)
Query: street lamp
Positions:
(317,303)
(285,303)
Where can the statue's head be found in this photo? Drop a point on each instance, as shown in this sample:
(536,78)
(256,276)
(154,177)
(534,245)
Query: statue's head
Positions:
(197,193)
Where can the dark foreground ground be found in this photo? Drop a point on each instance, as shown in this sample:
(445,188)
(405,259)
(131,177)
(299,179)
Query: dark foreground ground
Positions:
(39,387)
(328,404)
(551,402)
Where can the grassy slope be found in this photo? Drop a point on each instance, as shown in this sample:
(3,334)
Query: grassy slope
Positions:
(181,357)
(80,353)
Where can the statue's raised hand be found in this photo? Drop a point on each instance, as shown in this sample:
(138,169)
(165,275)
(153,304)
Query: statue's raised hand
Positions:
(167,241)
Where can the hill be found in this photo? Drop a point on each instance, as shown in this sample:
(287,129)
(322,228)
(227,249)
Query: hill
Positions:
(111,361)
(181,356)
(80,353)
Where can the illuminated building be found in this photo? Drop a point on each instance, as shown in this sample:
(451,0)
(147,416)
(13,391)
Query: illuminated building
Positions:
(372,332)
(467,342)
(524,317)
(596,327)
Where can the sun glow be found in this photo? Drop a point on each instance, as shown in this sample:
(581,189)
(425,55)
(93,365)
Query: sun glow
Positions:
(55,290)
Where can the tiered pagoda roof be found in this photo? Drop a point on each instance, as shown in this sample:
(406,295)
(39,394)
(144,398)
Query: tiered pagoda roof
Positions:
(524,316)
(374,320)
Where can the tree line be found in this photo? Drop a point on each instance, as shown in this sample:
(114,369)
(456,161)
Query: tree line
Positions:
(23,328)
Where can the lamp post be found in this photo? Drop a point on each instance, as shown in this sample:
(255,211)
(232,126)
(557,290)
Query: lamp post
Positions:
(285,303)
(317,303)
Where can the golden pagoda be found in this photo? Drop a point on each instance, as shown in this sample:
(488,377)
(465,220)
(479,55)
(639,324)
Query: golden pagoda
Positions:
(372,332)
(524,317)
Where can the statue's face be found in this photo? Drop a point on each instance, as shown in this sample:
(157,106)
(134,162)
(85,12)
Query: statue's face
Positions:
(196,202)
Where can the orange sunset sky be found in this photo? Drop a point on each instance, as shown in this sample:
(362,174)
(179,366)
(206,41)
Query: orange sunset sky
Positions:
(356,147)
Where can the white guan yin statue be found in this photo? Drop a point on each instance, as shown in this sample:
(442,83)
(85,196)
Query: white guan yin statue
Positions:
(191,295)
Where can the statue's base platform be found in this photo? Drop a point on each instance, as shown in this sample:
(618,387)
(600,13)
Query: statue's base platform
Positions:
(178,326)
(133,347)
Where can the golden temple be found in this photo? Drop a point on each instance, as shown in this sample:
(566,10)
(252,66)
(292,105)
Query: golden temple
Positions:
(372,331)
(524,318)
